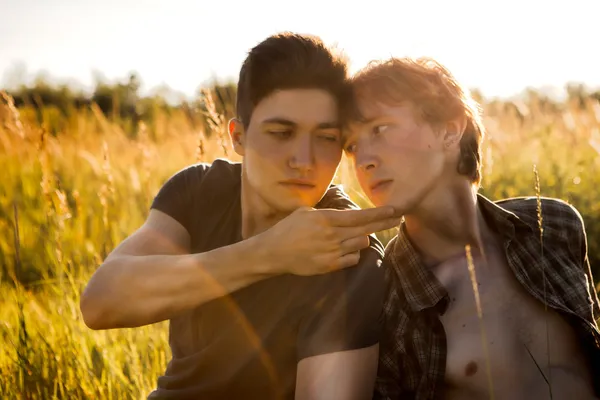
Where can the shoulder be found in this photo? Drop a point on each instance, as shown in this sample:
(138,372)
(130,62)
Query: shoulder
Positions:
(562,226)
(558,218)
(186,177)
(190,178)
(199,170)
(225,169)
(196,182)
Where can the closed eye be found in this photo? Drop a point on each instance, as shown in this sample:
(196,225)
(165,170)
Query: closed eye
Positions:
(329,137)
(328,134)
(281,133)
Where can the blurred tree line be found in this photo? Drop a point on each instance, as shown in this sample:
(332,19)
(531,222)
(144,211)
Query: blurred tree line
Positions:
(121,103)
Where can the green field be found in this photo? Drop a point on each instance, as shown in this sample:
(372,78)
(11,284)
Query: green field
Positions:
(75,184)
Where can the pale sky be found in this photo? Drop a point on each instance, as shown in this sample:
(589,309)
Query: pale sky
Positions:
(500,47)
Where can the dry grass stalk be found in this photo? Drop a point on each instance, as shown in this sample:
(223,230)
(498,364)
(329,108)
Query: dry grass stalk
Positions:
(146,164)
(17,125)
(62,213)
(107,190)
(541,227)
(216,121)
(47,183)
(200,147)
(16,271)
(484,340)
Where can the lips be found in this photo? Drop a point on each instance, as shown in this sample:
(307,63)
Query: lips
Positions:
(381,184)
(299,183)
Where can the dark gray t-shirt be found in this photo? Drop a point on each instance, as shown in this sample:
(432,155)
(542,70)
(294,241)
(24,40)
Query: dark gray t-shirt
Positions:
(247,345)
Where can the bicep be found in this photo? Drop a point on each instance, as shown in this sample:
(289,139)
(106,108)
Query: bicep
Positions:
(346,374)
(160,234)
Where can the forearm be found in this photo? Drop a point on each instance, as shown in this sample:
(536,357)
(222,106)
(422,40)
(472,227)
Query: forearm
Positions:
(131,291)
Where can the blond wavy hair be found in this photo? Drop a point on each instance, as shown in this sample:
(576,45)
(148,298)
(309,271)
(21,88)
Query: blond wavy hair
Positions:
(439,98)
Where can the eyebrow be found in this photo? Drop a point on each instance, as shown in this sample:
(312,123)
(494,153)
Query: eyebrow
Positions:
(287,122)
(280,121)
(368,120)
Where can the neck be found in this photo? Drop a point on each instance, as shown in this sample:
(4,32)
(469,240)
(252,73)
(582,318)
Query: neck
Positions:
(446,221)
(257,215)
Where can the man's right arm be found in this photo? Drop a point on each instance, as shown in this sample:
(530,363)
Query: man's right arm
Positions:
(151,276)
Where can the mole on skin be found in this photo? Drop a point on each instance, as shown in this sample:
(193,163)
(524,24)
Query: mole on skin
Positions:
(471,369)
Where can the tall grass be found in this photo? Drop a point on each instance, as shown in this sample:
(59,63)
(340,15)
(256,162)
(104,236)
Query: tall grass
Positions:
(67,199)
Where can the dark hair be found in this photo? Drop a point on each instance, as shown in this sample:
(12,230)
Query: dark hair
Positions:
(291,61)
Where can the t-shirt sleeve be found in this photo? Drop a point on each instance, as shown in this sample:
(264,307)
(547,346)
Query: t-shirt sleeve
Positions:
(346,312)
(176,196)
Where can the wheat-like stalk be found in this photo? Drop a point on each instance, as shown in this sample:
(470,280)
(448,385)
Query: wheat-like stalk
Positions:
(47,183)
(200,147)
(107,192)
(540,220)
(484,340)
(16,272)
(216,121)
(61,213)
(17,125)
(146,159)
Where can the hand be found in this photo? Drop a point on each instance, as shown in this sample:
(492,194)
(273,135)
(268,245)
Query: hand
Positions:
(311,242)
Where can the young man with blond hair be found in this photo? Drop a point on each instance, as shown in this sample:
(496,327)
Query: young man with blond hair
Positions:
(417,147)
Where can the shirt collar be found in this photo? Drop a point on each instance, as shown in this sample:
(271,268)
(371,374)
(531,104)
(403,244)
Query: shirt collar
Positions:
(503,221)
(420,286)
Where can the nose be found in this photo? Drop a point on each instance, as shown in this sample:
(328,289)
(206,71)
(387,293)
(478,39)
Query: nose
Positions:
(365,158)
(302,157)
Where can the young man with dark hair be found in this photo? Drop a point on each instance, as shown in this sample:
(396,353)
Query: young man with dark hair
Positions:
(459,254)
(268,273)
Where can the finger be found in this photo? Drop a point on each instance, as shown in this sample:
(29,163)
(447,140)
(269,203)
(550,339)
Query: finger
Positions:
(303,209)
(349,260)
(373,227)
(349,218)
(354,244)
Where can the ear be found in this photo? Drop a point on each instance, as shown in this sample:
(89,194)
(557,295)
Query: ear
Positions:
(237,134)
(454,131)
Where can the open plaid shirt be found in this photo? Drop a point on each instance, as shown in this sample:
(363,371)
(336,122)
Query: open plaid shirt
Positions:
(413,347)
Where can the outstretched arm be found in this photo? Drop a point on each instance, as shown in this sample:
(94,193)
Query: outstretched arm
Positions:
(151,277)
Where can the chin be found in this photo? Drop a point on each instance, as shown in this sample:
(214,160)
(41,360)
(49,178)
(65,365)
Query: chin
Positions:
(401,204)
(380,201)
(289,205)
(404,206)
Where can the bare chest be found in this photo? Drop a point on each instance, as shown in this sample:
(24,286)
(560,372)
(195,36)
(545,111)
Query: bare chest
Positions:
(502,342)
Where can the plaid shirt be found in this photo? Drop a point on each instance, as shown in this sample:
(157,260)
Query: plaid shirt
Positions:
(413,348)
